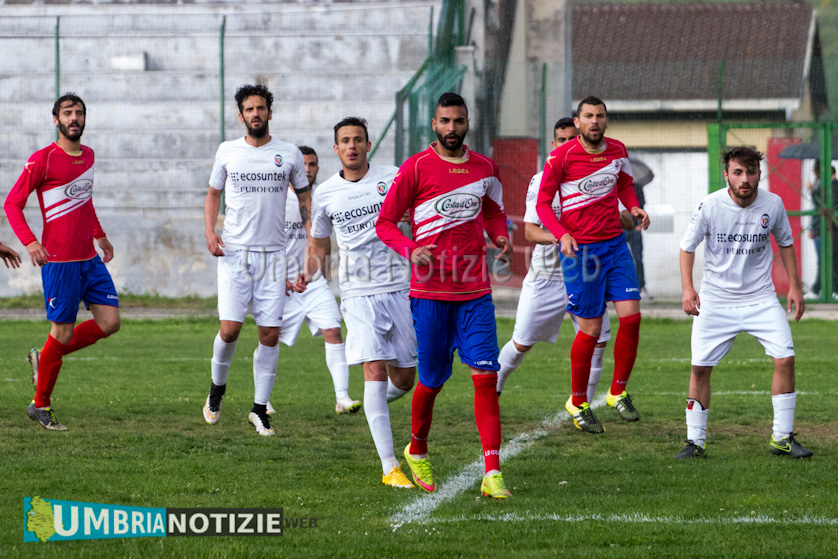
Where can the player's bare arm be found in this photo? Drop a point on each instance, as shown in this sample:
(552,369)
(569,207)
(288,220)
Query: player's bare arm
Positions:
(212,205)
(568,245)
(10,258)
(107,249)
(642,216)
(689,297)
(538,235)
(37,253)
(795,295)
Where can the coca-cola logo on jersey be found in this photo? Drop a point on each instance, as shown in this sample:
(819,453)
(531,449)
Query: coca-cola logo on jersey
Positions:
(80,190)
(598,184)
(459,206)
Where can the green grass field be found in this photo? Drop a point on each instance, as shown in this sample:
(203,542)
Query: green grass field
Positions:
(137,438)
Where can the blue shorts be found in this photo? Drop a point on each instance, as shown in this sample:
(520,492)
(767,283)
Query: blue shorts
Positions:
(443,326)
(66,284)
(599,272)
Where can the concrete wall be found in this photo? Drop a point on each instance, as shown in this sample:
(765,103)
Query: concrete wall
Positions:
(149,74)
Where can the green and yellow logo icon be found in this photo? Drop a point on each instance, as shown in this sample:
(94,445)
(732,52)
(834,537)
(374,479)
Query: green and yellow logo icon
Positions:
(40,519)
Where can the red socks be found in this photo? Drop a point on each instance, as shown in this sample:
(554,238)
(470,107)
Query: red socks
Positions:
(421,415)
(487,416)
(625,352)
(85,334)
(581,353)
(48,368)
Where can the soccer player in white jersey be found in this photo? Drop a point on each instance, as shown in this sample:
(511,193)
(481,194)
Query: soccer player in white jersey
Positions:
(374,284)
(737,295)
(543,301)
(255,172)
(316,306)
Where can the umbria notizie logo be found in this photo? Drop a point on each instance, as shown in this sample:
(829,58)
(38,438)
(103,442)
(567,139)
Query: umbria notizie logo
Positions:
(53,520)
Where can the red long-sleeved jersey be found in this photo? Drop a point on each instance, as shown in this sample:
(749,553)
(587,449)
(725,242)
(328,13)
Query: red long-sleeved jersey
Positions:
(589,185)
(451,201)
(64,183)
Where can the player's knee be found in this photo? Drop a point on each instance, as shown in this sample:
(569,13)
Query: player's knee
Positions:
(521,348)
(269,340)
(228,336)
(111,326)
(405,382)
(701,373)
(785,365)
(332,336)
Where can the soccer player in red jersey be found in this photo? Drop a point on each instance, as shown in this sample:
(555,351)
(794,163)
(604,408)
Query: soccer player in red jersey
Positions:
(590,173)
(62,176)
(453,194)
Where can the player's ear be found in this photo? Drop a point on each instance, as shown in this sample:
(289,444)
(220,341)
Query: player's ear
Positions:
(270,114)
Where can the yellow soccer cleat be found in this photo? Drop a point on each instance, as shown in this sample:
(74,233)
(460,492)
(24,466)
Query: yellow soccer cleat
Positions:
(421,470)
(494,487)
(396,479)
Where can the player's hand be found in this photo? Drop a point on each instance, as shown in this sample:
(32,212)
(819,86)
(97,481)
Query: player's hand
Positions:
(795,298)
(10,258)
(690,302)
(641,216)
(422,256)
(568,245)
(37,253)
(301,283)
(107,249)
(505,254)
(406,217)
(214,243)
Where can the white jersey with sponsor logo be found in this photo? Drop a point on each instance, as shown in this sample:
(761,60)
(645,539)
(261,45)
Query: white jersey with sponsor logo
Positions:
(255,181)
(367,265)
(295,238)
(737,249)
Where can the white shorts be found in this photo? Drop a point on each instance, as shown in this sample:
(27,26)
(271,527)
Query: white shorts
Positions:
(715,328)
(261,284)
(380,328)
(316,306)
(541,309)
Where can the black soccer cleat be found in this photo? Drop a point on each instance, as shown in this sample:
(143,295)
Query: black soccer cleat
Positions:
(789,447)
(691,450)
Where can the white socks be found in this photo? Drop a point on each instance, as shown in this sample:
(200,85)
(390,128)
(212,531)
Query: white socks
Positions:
(783,414)
(265,359)
(338,368)
(509,360)
(393,392)
(378,418)
(222,356)
(696,422)
(596,372)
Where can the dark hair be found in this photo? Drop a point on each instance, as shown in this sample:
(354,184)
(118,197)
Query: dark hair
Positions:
(563,123)
(451,99)
(590,100)
(308,151)
(748,157)
(72,98)
(245,91)
(352,121)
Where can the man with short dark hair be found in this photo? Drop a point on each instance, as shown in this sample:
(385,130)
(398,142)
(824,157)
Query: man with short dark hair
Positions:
(373,285)
(452,193)
(591,175)
(62,175)
(316,306)
(255,171)
(737,295)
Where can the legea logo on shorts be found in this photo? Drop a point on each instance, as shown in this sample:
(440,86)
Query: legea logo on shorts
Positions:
(598,184)
(458,206)
(80,190)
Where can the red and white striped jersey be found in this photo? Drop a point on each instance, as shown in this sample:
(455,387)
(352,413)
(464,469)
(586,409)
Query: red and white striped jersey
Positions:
(64,183)
(589,186)
(451,201)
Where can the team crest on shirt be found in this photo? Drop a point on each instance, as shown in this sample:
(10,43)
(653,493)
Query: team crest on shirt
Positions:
(382,188)
(278,160)
(530,196)
(80,190)
(763,221)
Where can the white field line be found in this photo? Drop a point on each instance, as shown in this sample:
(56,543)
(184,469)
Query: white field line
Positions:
(636,519)
(419,509)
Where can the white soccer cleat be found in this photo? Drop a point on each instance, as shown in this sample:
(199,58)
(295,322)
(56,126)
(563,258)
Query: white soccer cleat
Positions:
(270,408)
(263,426)
(347,405)
(212,416)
